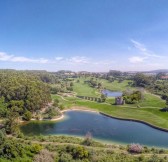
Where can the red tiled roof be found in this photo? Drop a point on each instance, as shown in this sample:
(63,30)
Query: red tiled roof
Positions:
(164,77)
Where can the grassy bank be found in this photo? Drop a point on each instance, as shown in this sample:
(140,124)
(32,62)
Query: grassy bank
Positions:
(116,86)
(84,89)
(76,149)
(149,110)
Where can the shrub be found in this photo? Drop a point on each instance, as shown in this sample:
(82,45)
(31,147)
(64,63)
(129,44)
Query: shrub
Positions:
(132,97)
(88,139)
(141,158)
(2,136)
(44,156)
(61,107)
(36,148)
(27,115)
(65,158)
(161,151)
(135,148)
(20,135)
(78,152)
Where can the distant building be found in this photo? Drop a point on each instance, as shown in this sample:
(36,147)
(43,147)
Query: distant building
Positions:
(119,101)
(164,77)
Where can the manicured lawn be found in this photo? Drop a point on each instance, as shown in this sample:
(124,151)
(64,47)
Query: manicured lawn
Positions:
(149,110)
(115,86)
(151,115)
(151,100)
(110,100)
(83,89)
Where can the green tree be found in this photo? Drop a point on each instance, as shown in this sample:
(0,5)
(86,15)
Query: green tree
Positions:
(3,107)
(2,136)
(27,115)
(103,97)
(142,80)
(12,121)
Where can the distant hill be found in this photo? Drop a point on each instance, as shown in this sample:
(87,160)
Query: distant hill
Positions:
(159,71)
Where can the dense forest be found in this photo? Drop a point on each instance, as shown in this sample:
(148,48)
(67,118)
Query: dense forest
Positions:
(21,95)
(23,91)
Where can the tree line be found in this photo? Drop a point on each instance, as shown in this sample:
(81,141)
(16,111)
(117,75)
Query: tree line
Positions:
(21,94)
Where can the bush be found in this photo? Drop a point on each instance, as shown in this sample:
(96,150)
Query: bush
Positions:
(141,158)
(161,151)
(51,112)
(20,135)
(36,148)
(135,148)
(88,139)
(13,149)
(78,152)
(44,156)
(65,158)
(2,136)
(27,115)
(61,107)
(132,97)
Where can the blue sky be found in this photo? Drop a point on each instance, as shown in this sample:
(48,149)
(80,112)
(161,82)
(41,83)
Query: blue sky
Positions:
(92,35)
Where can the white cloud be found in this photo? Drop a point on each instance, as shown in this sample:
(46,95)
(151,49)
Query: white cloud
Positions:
(5,57)
(72,60)
(11,58)
(59,58)
(139,46)
(42,60)
(137,59)
(144,54)
(78,60)
(75,62)
(104,62)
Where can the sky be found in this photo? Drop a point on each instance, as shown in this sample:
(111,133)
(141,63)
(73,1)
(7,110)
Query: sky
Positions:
(84,35)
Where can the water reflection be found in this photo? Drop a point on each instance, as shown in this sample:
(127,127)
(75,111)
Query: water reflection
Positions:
(78,123)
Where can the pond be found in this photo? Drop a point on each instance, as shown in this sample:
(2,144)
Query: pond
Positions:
(103,128)
(109,93)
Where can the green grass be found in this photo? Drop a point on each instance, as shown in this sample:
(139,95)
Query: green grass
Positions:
(83,89)
(150,115)
(149,111)
(151,100)
(115,86)
(110,100)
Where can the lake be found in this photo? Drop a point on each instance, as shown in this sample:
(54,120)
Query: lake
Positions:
(109,93)
(106,129)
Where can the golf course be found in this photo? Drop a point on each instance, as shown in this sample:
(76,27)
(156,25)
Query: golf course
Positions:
(147,110)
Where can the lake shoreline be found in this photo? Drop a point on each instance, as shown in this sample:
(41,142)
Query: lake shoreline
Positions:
(62,114)
(79,108)
(136,120)
(119,118)
(71,109)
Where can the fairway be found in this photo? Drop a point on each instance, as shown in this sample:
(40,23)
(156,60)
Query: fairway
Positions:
(147,110)
(83,89)
(116,86)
